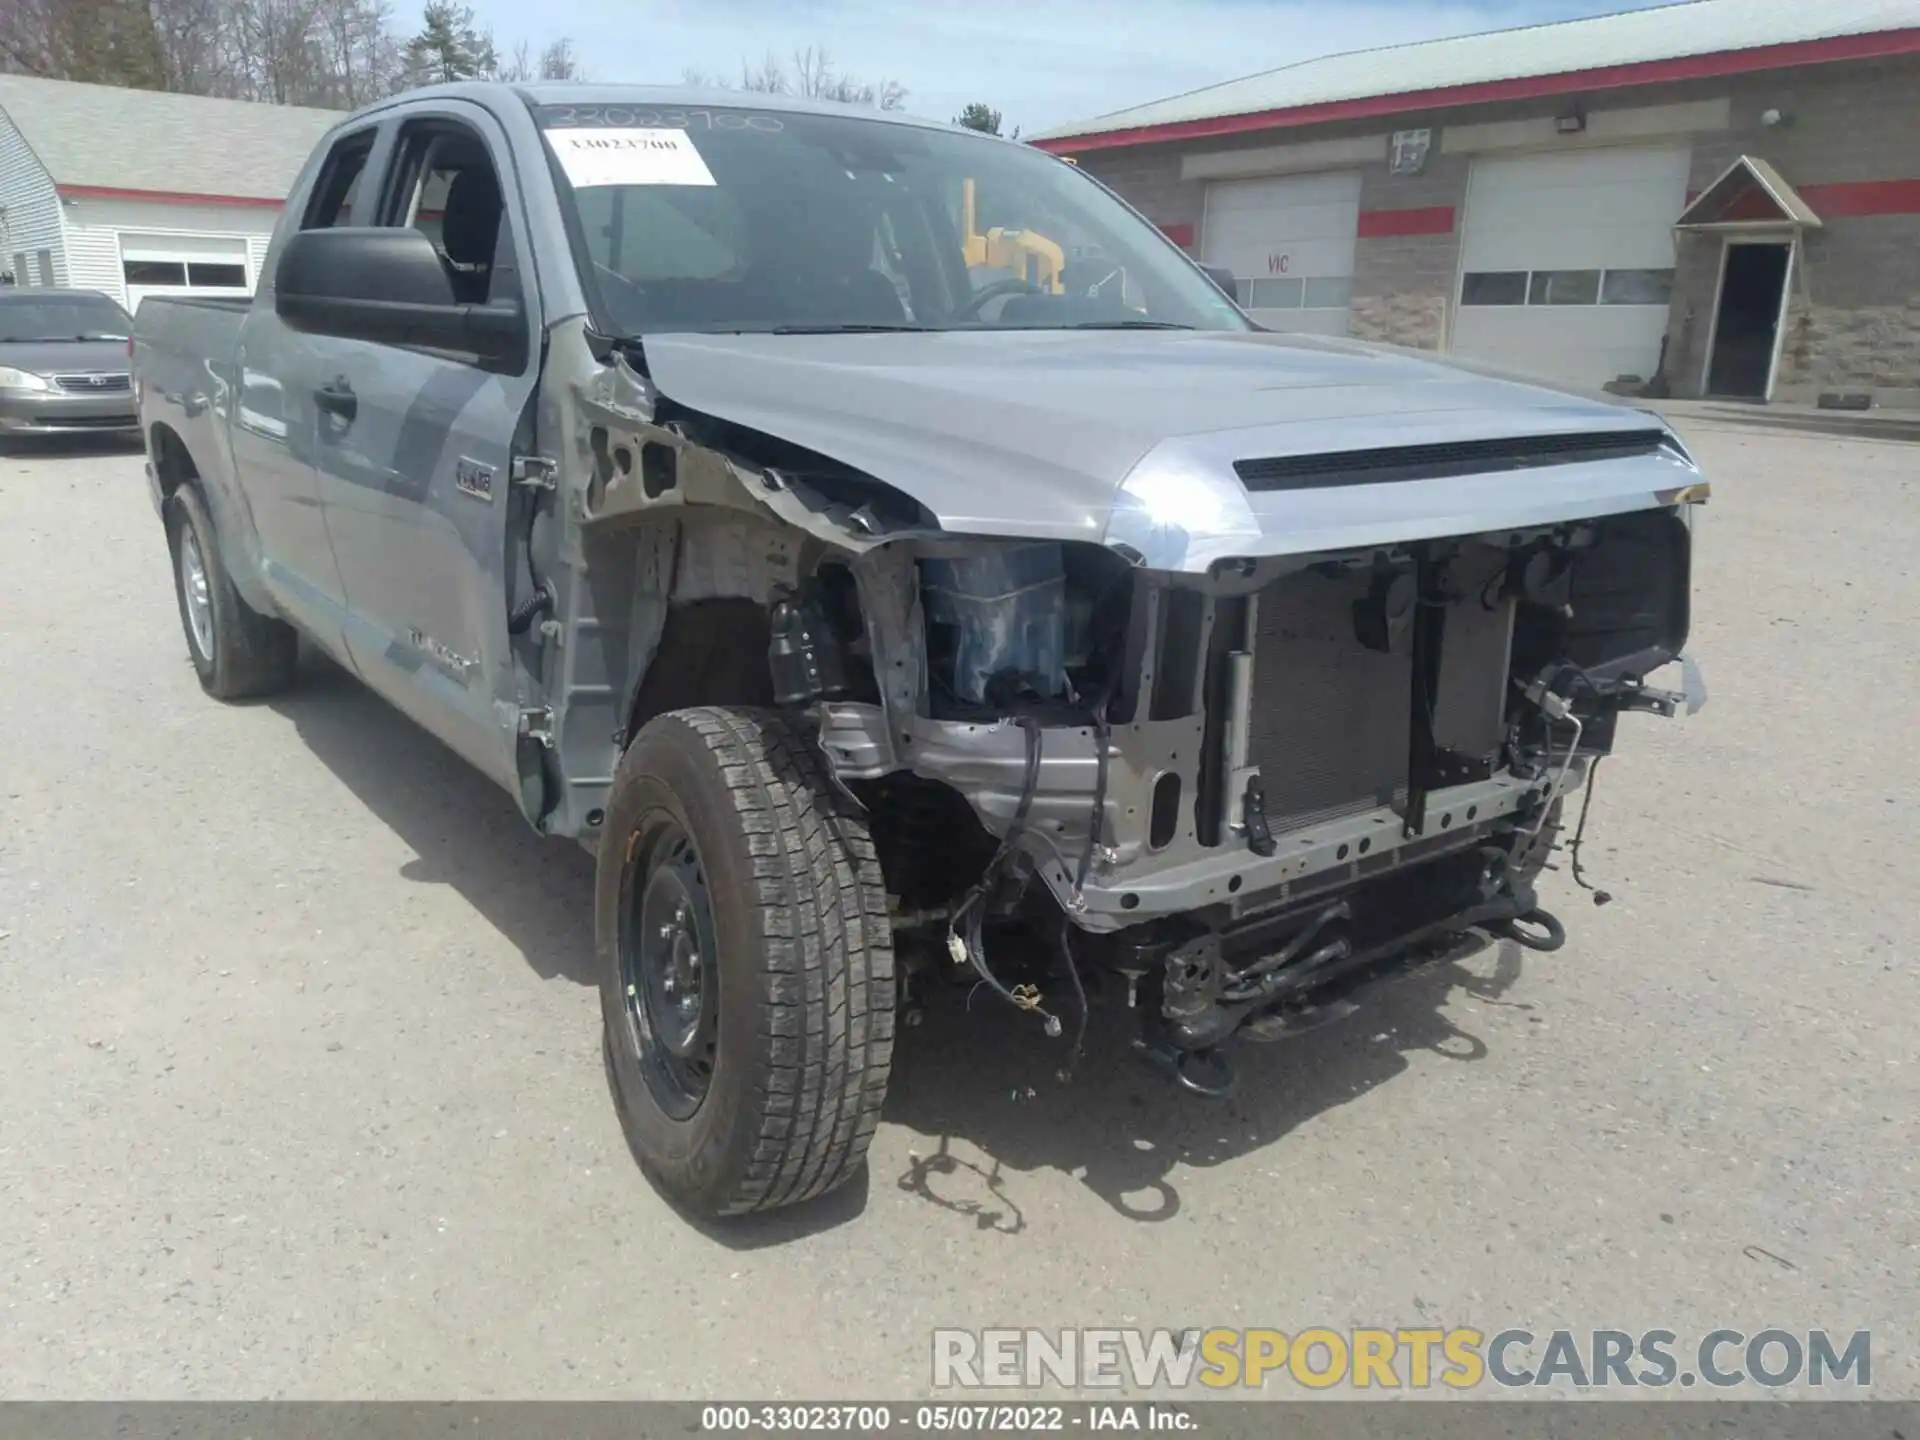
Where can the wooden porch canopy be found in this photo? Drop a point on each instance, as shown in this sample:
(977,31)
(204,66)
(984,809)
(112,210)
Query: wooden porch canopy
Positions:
(1749,195)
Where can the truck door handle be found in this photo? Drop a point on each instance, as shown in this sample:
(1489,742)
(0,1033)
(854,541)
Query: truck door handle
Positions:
(337,398)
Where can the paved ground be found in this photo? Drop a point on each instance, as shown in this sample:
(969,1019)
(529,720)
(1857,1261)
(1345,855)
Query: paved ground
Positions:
(300,1086)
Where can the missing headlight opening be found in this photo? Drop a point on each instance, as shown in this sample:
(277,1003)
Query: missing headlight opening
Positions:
(1023,628)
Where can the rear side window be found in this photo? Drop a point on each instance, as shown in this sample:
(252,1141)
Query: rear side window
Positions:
(339,184)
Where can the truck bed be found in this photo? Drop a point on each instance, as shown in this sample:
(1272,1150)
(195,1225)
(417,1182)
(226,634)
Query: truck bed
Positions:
(184,375)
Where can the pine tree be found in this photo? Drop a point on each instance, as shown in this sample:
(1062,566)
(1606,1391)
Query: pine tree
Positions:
(981,117)
(449,46)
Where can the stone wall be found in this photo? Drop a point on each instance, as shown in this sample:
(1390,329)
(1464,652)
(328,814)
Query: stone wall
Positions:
(1416,321)
(1402,284)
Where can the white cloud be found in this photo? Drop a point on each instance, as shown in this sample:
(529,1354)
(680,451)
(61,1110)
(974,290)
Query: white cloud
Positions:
(1041,62)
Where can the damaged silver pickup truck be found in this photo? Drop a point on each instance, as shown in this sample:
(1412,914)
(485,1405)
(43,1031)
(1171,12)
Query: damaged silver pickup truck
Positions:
(900,564)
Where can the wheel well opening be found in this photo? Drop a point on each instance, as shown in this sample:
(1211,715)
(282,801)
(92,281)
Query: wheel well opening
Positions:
(711,652)
(172,465)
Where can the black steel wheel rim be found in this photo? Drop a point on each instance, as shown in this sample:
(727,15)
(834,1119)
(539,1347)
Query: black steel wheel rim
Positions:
(670,984)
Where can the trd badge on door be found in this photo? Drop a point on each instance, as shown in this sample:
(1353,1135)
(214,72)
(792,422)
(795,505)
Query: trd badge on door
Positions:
(470,477)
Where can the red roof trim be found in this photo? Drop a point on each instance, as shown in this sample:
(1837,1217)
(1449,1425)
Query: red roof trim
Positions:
(165,197)
(1429,220)
(1612,77)
(1863,197)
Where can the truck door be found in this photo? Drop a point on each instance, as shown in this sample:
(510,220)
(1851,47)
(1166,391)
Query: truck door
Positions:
(274,420)
(414,450)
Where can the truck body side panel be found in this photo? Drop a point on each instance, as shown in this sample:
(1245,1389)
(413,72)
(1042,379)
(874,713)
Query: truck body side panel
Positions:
(273,439)
(185,383)
(416,488)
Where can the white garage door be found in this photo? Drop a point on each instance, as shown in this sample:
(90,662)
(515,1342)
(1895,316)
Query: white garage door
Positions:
(1568,262)
(183,265)
(1289,244)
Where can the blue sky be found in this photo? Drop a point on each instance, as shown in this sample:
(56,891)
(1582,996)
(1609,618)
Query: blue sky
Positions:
(1042,62)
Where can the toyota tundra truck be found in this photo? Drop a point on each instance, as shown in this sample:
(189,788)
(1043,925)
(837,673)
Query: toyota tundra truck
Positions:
(881,618)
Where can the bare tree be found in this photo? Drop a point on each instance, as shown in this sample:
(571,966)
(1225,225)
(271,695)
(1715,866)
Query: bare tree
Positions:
(519,67)
(338,54)
(359,53)
(279,51)
(103,42)
(556,61)
(766,78)
(813,77)
(195,54)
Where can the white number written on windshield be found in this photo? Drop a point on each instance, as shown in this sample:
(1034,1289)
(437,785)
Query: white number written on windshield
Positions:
(623,117)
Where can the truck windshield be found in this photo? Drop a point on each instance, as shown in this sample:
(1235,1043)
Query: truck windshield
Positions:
(738,219)
(61,317)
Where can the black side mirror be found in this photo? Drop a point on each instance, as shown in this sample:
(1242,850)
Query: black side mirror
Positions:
(387,285)
(1223,277)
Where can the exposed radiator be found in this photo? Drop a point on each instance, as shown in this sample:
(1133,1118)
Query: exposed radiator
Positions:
(1331,718)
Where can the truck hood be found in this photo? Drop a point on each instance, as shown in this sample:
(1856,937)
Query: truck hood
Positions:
(1129,438)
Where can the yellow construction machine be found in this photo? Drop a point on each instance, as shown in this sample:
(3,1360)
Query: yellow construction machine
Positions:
(1022,253)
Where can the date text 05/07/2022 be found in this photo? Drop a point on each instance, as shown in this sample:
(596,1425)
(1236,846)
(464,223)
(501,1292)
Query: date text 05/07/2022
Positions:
(946,1418)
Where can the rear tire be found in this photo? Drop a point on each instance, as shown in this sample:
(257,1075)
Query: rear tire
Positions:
(237,652)
(746,963)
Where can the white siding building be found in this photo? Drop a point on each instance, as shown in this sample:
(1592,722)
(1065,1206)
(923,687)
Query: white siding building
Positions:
(135,193)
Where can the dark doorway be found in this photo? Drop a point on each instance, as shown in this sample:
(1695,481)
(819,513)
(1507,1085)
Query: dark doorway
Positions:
(1749,317)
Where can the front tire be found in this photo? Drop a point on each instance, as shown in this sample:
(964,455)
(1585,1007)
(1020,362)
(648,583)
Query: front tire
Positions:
(746,963)
(237,652)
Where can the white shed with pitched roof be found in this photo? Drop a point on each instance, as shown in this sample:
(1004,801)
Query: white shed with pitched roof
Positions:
(135,192)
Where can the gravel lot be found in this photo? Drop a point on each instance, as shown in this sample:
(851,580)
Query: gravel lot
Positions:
(301,1095)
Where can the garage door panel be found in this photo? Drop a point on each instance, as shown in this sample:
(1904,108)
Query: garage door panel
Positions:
(1584,210)
(1258,258)
(1599,248)
(1581,345)
(1248,243)
(1291,191)
(159,263)
(1319,221)
(161,246)
(1553,226)
(1293,238)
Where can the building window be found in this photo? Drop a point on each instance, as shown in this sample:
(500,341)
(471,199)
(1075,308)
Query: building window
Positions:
(1637,287)
(1495,287)
(1288,293)
(1564,287)
(154,272)
(1334,294)
(1277,294)
(212,275)
(1567,287)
